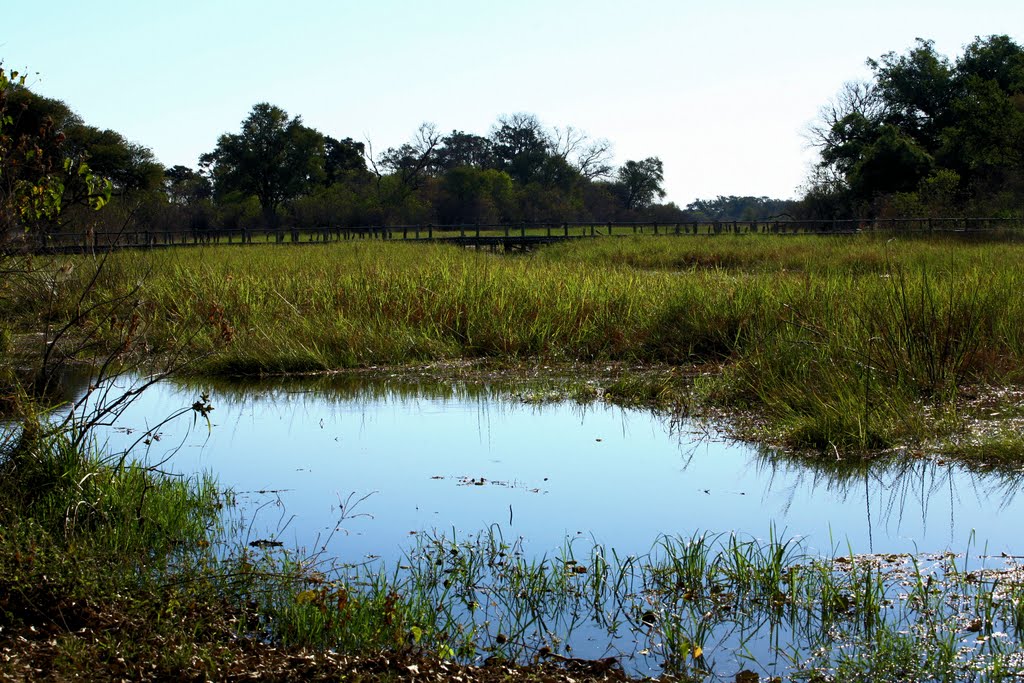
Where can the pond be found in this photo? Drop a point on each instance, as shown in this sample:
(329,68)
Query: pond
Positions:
(360,470)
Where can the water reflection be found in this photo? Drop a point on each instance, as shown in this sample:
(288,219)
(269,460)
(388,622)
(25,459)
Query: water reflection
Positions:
(428,455)
(900,493)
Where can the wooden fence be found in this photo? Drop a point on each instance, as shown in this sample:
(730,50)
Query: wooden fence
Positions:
(502,236)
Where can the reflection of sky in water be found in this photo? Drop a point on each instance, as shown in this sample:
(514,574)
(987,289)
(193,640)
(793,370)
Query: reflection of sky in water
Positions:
(622,477)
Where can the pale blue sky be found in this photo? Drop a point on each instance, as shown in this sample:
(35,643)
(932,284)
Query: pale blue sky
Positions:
(720,90)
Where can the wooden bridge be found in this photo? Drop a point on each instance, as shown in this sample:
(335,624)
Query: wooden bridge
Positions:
(502,236)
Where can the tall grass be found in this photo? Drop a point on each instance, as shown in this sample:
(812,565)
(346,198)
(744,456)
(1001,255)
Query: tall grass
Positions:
(838,343)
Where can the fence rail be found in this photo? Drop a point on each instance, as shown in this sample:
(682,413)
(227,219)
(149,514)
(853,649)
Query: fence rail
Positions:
(505,236)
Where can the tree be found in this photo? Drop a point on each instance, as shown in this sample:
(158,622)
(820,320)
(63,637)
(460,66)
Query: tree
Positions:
(413,160)
(464,149)
(995,58)
(273,158)
(343,159)
(520,146)
(641,182)
(894,163)
(922,124)
(129,166)
(400,171)
(36,170)
(591,158)
(185,186)
(917,90)
(734,208)
(473,195)
(984,142)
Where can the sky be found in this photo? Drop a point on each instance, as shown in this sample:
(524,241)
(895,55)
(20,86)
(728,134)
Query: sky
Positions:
(722,91)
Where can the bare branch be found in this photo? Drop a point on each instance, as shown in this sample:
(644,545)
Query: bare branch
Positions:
(855,97)
(591,157)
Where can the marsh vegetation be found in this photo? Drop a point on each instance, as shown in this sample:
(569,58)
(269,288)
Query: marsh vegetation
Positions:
(828,343)
(837,349)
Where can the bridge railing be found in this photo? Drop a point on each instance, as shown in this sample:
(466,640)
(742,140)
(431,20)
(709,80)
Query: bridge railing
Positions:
(504,232)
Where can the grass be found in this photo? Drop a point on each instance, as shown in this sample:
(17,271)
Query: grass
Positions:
(833,343)
(688,608)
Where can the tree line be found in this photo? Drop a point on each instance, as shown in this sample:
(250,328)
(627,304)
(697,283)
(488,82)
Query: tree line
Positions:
(522,170)
(925,136)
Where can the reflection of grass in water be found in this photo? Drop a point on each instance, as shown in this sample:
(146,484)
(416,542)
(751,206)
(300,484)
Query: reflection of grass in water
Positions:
(657,386)
(891,480)
(894,482)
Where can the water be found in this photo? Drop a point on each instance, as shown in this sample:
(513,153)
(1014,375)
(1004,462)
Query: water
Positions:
(359,470)
(462,460)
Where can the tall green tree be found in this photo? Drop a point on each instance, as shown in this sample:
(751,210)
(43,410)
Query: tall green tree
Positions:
(641,182)
(273,158)
(465,149)
(917,90)
(344,160)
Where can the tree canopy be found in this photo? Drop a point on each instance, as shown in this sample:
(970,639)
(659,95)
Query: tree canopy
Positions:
(927,133)
(50,161)
(521,170)
(273,158)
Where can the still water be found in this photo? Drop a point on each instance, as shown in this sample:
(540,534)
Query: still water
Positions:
(361,468)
